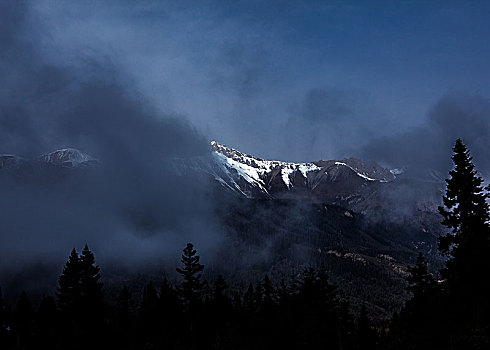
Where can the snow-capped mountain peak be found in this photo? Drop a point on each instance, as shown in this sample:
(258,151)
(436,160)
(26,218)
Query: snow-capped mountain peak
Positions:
(68,157)
(255,170)
(251,175)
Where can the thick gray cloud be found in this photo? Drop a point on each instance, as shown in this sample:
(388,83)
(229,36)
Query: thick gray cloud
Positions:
(428,147)
(132,207)
(255,74)
(330,123)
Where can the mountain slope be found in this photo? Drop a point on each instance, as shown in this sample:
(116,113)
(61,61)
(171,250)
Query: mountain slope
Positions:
(254,176)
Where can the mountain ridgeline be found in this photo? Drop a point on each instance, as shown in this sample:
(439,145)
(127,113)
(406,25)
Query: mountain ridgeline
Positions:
(361,222)
(365,188)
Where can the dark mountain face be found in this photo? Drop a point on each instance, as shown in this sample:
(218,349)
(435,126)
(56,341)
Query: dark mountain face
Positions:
(363,222)
(369,189)
(366,259)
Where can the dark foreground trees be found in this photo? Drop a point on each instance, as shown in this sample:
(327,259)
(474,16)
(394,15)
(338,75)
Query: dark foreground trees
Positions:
(466,212)
(304,314)
(80,298)
(454,313)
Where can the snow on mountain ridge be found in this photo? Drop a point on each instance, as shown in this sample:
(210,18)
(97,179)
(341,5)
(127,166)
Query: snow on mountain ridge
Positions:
(261,173)
(68,157)
(359,173)
(253,169)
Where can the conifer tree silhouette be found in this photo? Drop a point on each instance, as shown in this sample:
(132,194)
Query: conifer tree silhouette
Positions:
(191,287)
(466,212)
(80,300)
(90,288)
(69,289)
(420,282)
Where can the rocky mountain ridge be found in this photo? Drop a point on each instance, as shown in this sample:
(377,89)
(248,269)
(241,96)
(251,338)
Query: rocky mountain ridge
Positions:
(66,158)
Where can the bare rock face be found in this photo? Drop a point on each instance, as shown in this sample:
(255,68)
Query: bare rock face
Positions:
(276,178)
(367,188)
(321,180)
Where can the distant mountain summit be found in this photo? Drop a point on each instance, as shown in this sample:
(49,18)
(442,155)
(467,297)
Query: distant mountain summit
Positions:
(63,158)
(68,157)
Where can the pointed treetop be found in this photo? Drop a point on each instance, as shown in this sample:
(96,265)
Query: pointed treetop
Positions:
(191,288)
(465,201)
(420,281)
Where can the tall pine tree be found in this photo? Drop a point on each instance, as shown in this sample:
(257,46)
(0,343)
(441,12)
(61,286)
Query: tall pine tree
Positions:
(80,299)
(90,286)
(68,292)
(467,247)
(191,287)
(91,313)
(421,284)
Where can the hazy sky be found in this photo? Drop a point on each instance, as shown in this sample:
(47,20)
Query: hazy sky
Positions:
(132,81)
(258,74)
(280,79)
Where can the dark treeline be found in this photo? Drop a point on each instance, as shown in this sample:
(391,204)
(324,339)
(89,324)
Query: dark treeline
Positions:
(302,312)
(454,311)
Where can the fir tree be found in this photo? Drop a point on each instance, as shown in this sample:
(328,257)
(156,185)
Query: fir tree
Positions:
(258,296)
(219,288)
(91,286)
(69,289)
(237,301)
(283,292)
(248,298)
(466,212)
(191,287)
(80,300)
(419,324)
(420,282)
(90,289)
(268,293)
(318,311)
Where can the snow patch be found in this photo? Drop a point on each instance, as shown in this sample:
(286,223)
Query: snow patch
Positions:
(253,169)
(359,174)
(68,157)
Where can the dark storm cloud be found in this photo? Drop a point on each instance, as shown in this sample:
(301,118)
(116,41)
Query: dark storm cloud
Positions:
(456,115)
(132,206)
(284,80)
(330,123)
